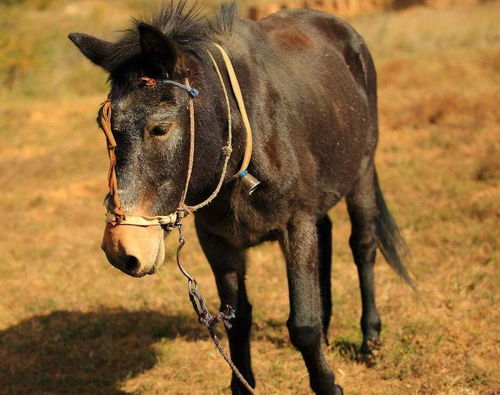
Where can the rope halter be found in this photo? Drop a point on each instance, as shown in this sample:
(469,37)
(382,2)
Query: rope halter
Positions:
(118,215)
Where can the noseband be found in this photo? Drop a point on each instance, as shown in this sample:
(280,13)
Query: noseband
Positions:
(118,215)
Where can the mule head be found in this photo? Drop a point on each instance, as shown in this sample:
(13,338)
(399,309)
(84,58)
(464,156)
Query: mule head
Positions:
(151,127)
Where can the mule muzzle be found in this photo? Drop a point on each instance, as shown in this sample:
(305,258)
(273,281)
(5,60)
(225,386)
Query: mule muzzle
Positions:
(136,251)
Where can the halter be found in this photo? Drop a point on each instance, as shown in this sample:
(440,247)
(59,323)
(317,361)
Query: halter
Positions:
(118,216)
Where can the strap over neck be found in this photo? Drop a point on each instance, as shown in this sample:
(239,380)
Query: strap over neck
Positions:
(241,105)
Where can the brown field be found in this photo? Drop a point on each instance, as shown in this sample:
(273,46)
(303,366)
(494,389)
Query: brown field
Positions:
(258,9)
(70,323)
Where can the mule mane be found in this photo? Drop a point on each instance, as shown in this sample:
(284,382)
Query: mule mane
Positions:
(182,23)
(185,24)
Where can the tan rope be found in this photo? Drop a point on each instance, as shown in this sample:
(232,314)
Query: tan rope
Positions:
(143,220)
(241,105)
(182,203)
(227,149)
(105,123)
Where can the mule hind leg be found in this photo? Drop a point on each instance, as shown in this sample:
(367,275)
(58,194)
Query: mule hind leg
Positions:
(324,227)
(362,207)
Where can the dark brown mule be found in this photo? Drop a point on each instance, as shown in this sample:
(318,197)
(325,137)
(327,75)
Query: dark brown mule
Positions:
(310,88)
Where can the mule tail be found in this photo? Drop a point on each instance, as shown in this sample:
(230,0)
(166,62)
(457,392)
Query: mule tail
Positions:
(389,239)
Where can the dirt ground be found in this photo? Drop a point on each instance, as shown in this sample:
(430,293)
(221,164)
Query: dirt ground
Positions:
(71,323)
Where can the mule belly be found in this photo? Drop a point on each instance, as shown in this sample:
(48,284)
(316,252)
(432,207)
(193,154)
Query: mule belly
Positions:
(339,164)
(330,146)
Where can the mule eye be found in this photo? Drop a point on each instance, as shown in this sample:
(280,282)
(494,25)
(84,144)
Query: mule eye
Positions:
(159,131)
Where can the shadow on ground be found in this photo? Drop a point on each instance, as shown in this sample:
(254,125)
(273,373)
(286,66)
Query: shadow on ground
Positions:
(73,352)
(347,349)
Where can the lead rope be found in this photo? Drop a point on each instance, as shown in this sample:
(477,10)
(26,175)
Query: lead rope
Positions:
(204,316)
(175,220)
(195,296)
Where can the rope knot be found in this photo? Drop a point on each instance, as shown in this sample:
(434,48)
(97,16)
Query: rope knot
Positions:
(183,211)
(227,150)
(225,316)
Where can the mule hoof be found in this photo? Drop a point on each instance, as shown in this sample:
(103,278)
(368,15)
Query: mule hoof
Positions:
(338,390)
(369,352)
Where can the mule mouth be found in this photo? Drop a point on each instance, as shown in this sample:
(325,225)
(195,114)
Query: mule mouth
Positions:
(143,273)
(135,273)
(130,266)
(152,270)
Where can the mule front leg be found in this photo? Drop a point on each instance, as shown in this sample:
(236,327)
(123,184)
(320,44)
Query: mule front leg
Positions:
(228,265)
(300,246)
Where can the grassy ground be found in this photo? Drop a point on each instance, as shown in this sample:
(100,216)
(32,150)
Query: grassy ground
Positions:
(70,323)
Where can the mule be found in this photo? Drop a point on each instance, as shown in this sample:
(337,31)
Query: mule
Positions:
(309,84)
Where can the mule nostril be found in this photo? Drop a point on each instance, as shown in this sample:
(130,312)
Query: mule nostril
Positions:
(131,263)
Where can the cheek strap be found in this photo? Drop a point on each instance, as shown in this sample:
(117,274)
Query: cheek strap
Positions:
(105,125)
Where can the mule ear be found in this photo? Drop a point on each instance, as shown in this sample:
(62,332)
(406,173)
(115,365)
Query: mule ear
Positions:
(157,47)
(96,50)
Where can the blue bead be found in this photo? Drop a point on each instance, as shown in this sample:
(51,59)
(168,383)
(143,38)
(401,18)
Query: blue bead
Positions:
(243,173)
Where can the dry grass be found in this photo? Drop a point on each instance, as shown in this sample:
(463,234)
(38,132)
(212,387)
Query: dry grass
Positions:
(70,323)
